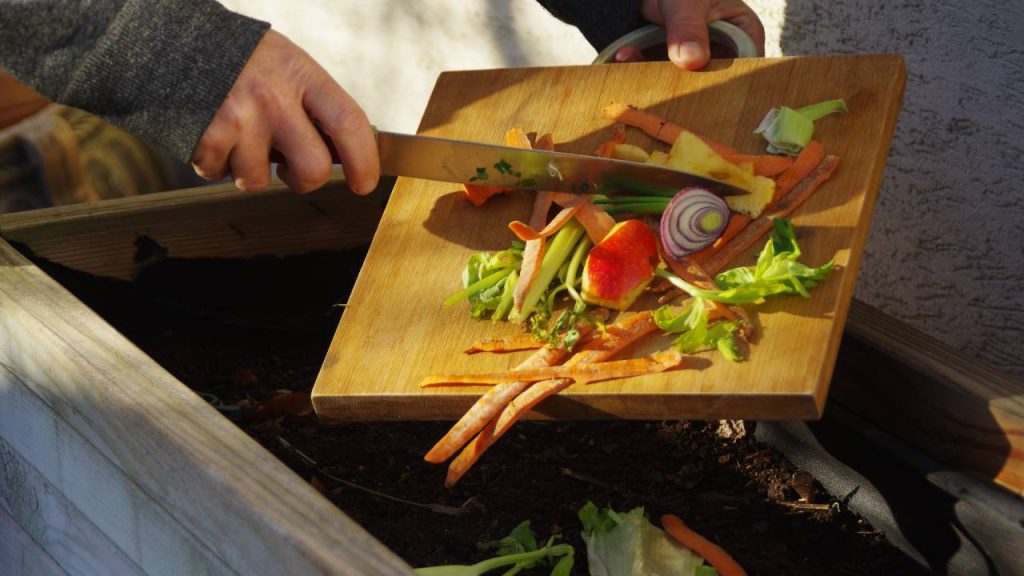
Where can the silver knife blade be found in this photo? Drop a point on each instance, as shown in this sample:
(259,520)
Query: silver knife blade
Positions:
(465,162)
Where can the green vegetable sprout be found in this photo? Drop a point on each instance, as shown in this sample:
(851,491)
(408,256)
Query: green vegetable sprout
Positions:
(518,551)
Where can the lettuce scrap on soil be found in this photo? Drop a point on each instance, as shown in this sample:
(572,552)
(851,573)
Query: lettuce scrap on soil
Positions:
(627,544)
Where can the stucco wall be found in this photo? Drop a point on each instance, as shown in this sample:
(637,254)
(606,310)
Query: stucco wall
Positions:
(946,251)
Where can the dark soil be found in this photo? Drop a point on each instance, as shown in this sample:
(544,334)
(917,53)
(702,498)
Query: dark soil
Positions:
(250,335)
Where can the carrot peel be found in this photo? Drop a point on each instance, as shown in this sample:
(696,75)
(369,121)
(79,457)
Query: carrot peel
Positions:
(711,552)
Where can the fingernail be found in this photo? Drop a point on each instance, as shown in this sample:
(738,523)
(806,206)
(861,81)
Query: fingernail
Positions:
(365,187)
(688,52)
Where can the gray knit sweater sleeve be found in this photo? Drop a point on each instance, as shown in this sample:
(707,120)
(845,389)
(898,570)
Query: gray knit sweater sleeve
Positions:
(159,69)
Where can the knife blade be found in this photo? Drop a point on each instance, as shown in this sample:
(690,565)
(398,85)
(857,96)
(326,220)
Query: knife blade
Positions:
(465,162)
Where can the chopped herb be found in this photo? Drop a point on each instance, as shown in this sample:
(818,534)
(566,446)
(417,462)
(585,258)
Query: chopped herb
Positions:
(506,169)
(481,174)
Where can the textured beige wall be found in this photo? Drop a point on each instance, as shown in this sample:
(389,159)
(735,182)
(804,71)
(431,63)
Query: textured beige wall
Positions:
(946,251)
(388,53)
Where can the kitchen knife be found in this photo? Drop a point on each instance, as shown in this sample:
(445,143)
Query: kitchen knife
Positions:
(465,162)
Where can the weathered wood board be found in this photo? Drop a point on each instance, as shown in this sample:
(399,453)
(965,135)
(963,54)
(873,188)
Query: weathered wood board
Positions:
(395,330)
(109,463)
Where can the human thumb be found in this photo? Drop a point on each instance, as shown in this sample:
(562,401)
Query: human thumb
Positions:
(686,32)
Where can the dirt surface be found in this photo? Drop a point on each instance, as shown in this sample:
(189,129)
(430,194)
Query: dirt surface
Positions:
(250,335)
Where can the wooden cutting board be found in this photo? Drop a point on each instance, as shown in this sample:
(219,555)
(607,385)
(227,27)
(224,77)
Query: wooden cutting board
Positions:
(395,331)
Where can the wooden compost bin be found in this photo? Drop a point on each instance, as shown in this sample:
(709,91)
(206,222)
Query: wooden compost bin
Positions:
(109,464)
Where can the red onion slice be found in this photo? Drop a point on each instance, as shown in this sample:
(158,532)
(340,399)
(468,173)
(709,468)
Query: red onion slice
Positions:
(693,220)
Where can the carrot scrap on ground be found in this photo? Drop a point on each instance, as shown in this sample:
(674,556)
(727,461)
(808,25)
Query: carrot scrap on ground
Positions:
(713,553)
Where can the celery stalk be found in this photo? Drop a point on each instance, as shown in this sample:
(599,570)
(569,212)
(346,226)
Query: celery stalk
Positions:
(574,264)
(788,131)
(558,251)
(481,284)
(505,304)
(481,568)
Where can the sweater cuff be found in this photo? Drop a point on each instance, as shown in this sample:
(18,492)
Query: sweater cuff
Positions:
(163,69)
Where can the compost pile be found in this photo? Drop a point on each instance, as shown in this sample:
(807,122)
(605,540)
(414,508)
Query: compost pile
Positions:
(250,336)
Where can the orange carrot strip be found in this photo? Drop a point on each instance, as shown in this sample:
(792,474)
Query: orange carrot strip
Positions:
(763,224)
(544,142)
(487,406)
(533,253)
(582,374)
(512,343)
(496,398)
(652,125)
(807,161)
(657,127)
(713,553)
(527,233)
(667,132)
(764,164)
(618,137)
(616,337)
(478,194)
(737,222)
(595,221)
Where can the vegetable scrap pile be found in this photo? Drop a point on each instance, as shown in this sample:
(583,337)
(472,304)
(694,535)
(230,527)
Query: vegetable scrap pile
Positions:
(618,544)
(570,271)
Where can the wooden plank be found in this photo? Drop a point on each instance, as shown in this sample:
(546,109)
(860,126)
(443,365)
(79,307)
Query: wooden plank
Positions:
(251,512)
(950,405)
(57,525)
(428,231)
(213,221)
(78,504)
(19,554)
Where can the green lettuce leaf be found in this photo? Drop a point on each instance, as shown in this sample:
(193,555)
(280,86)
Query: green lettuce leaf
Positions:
(627,544)
(691,323)
(488,281)
(776,272)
